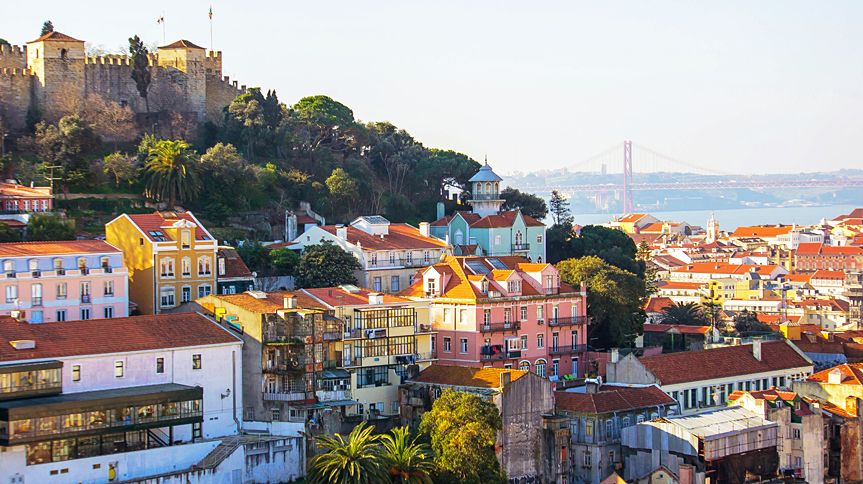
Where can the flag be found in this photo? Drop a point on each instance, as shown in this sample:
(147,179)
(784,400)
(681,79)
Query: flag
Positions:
(160,20)
(211,12)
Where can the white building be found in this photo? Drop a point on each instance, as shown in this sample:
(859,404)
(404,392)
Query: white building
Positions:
(123,398)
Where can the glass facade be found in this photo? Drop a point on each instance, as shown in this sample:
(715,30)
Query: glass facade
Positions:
(17,381)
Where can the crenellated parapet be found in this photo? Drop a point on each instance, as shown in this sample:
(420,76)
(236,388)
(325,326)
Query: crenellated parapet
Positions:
(15,71)
(13,56)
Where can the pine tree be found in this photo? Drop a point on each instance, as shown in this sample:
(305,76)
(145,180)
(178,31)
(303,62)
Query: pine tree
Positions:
(559,208)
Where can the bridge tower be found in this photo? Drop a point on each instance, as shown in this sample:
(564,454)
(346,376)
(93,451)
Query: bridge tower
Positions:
(627,177)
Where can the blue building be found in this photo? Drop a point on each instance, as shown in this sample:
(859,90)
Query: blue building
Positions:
(486,229)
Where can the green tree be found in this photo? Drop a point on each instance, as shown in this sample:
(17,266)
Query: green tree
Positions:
(558,205)
(8,234)
(284,260)
(223,166)
(4,42)
(323,111)
(615,299)
(689,313)
(249,115)
(747,322)
(407,460)
(141,73)
(121,167)
(170,172)
(50,227)
(355,460)
(256,257)
(325,265)
(47,26)
(342,187)
(528,203)
(462,428)
(612,246)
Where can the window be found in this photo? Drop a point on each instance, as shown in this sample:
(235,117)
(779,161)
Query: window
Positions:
(11,294)
(540,341)
(588,428)
(523,315)
(276,414)
(447,344)
(426,257)
(186,266)
(507,315)
(185,239)
(33,265)
(186,294)
(61,315)
(118,369)
(539,315)
(539,238)
(586,462)
(524,366)
(109,312)
(463,345)
(392,258)
(106,264)
(204,290)
(795,434)
(166,267)
(196,361)
(58,266)
(394,284)
(160,365)
(36,294)
(109,288)
(85,313)
(76,372)
(497,240)
(431,287)
(376,284)
(85,292)
(166,299)
(540,367)
(204,266)
(62,290)
(524,342)
(486,317)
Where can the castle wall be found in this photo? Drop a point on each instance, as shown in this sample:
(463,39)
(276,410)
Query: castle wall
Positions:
(16,86)
(59,70)
(220,93)
(13,57)
(111,78)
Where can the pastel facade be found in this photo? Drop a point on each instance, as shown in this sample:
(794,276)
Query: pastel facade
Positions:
(504,312)
(170,256)
(63,281)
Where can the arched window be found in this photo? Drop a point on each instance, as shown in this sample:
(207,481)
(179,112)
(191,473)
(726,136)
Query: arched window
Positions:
(166,267)
(459,238)
(540,367)
(524,365)
(518,237)
(186,266)
(204,266)
(63,53)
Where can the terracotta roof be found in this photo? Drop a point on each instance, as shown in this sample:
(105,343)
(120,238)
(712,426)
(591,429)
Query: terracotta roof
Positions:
(270,303)
(60,247)
(821,346)
(14,190)
(771,394)
(798,277)
(157,221)
(340,296)
(825,274)
(469,217)
(680,328)
(655,227)
(56,36)
(852,374)
(400,236)
(234,265)
(505,219)
(117,335)
(724,268)
(690,366)
(612,399)
(657,303)
(305,219)
(856,213)
(181,44)
(632,217)
(679,285)
(761,231)
(813,248)
(463,376)
(12,223)
(827,304)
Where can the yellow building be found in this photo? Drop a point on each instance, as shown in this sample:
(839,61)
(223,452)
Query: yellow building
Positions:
(170,257)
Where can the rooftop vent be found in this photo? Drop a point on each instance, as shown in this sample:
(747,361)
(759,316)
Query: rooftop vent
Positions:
(23,344)
(257,294)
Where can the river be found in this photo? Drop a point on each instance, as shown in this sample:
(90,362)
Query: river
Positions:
(729,219)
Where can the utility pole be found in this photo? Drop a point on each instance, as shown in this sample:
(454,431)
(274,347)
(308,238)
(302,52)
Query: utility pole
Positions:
(51,176)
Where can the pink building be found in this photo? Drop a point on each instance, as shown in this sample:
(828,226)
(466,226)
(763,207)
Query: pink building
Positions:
(63,281)
(504,312)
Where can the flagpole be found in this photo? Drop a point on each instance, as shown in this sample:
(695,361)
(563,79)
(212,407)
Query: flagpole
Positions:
(163,27)
(211,28)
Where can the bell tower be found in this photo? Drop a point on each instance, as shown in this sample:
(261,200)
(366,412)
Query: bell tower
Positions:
(485,192)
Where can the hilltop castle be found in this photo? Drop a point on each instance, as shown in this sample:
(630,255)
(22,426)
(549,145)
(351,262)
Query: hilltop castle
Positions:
(54,75)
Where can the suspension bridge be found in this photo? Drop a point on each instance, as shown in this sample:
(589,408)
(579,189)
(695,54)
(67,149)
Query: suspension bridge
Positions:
(657,171)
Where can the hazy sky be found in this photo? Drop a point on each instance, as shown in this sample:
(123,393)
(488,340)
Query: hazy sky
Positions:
(742,85)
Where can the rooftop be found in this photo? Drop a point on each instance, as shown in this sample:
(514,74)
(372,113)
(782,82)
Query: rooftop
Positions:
(501,219)
(717,423)
(463,376)
(181,44)
(117,335)
(234,265)
(761,231)
(612,399)
(153,224)
(852,374)
(333,297)
(55,36)
(64,247)
(399,236)
(267,302)
(14,190)
(485,174)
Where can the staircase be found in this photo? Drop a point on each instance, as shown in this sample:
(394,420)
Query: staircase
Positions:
(220,453)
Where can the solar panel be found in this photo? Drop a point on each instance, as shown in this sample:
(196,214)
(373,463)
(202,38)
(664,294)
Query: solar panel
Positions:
(478,267)
(497,264)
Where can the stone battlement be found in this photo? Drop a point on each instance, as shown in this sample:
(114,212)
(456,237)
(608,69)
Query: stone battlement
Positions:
(14,71)
(13,50)
(227,80)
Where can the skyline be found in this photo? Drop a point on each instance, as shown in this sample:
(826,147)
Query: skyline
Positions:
(711,85)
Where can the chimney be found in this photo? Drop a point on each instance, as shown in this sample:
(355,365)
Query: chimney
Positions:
(290,302)
(440,210)
(834,377)
(376,298)
(424,229)
(591,385)
(342,232)
(615,356)
(756,349)
(505,379)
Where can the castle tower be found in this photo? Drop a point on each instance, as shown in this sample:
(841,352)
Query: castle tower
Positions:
(712,229)
(485,192)
(57,62)
(190,59)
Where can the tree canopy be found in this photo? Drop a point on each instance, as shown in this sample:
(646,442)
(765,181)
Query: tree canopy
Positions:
(686,313)
(528,203)
(50,227)
(746,322)
(47,26)
(325,265)
(140,67)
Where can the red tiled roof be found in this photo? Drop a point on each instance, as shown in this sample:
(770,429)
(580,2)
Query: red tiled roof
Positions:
(463,376)
(821,346)
(814,248)
(612,399)
(270,303)
(724,268)
(632,217)
(305,219)
(504,219)
(149,222)
(181,44)
(680,328)
(60,247)
(339,296)
(118,335)
(761,231)
(690,366)
(14,190)
(852,374)
(657,303)
(234,265)
(469,217)
(679,285)
(57,36)
(400,236)
(829,304)
(771,394)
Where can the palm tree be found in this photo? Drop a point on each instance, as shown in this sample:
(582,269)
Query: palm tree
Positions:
(356,459)
(684,313)
(408,460)
(170,172)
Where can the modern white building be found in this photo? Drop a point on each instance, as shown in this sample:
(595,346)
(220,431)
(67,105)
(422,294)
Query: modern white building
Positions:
(126,398)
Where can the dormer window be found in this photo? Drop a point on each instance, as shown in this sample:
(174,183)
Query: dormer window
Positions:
(514,286)
(185,239)
(484,286)
(431,287)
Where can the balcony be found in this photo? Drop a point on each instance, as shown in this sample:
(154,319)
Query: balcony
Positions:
(424,328)
(285,396)
(426,355)
(36,301)
(564,350)
(520,247)
(333,395)
(503,355)
(350,362)
(500,327)
(551,291)
(85,298)
(568,321)
(290,364)
(486,196)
